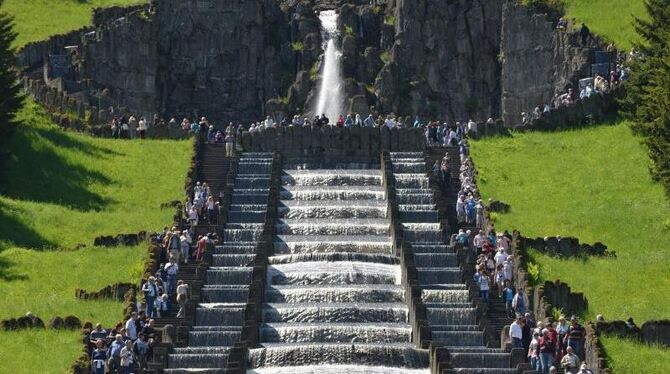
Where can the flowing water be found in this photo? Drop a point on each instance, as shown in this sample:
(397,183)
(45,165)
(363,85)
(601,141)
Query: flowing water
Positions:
(220,314)
(330,99)
(334,302)
(452,317)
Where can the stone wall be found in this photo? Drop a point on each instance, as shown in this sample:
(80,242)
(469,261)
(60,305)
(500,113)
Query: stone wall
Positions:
(332,141)
(651,332)
(566,247)
(444,62)
(538,61)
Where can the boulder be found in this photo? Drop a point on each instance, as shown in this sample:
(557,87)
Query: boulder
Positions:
(56,323)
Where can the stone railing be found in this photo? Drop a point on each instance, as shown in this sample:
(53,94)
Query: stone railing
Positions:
(333,141)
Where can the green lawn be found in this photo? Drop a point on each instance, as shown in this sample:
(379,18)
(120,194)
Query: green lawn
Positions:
(593,184)
(645,358)
(61,189)
(38,351)
(609,18)
(39,19)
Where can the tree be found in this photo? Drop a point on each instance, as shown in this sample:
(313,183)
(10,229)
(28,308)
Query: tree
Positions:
(647,103)
(11,98)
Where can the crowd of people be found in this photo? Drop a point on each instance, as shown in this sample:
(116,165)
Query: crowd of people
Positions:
(124,349)
(546,343)
(129,127)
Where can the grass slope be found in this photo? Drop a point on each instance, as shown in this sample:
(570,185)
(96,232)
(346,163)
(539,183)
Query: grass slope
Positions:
(611,19)
(61,189)
(38,19)
(593,184)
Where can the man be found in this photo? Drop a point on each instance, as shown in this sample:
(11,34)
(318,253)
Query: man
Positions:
(508,296)
(98,357)
(547,347)
(369,121)
(98,333)
(584,369)
(131,327)
(478,241)
(520,302)
(150,291)
(515,332)
(585,33)
(269,122)
(575,337)
(472,129)
(141,351)
(185,245)
(171,269)
(570,362)
(114,354)
(149,330)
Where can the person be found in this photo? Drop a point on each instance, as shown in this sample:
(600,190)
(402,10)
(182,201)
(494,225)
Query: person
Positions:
(575,337)
(348,122)
(585,33)
(98,333)
(520,301)
(150,291)
(269,122)
(185,241)
(478,241)
(472,129)
(132,126)
(508,296)
(142,127)
(182,297)
(484,286)
(570,362)
(516,333)
(562,330)
(584,369)
(533,352)
(547,348)
(369,121)
(230,144)
(141,351)
(171,269)
(115,128)
(98,357)
(114,354)
(124,129)
(323,121)
(210,208)
(127,358)
(340,121)
(479,214)
(562,24)
(131,327)
(149,330)
(359,121)
(162,305)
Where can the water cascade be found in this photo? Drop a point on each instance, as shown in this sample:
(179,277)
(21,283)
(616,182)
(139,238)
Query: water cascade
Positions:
(220,314)
(330,99)
(333,300)
(451,314)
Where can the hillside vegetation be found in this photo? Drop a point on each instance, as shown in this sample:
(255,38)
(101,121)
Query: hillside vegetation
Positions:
(609,18)
(39,19)
(592,184)
(61,189)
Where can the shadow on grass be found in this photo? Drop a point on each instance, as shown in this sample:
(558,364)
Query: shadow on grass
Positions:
(14,232)
(32,171)
(6,273)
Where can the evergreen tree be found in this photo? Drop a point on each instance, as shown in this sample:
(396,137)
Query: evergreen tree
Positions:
(11,98)
(647,103)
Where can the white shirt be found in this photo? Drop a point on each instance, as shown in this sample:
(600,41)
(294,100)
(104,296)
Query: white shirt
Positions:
(143,125)
(472,126)
(500,257)
(131,329)
(478,241)
(515,331)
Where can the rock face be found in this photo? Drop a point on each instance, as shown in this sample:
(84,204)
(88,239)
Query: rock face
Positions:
(445,59)
(538,61)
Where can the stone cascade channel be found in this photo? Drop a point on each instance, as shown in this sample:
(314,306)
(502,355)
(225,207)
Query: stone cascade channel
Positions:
(221,312)
(450,311)
(333,301)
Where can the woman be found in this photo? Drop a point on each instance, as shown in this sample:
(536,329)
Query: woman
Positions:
(533,352)
(359,120)
(210,209)
(484,287)
(520,302)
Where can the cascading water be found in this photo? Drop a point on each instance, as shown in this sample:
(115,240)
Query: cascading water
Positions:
(221,312)
(334,301)
(330,99)
(452,317)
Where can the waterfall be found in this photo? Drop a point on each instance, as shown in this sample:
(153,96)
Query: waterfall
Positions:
(330,97)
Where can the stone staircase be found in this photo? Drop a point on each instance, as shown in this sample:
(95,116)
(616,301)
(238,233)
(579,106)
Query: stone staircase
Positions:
(453,318)
(220,315)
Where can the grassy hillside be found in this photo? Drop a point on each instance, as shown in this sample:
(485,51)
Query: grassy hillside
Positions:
(61,189)
(39,19)
(609,18)
(593,184)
